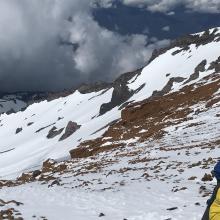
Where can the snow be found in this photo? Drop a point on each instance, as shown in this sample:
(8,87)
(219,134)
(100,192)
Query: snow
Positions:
(29,149)
(118,188)
(177,66)
(135,202)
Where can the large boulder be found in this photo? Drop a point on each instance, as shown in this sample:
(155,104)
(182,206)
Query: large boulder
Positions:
(71,128)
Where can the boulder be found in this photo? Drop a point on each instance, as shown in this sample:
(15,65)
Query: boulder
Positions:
(71,128)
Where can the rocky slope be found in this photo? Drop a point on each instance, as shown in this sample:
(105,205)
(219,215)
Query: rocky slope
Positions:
(139,148)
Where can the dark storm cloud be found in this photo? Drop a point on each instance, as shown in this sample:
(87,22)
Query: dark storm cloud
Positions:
(32,56)
(29,55)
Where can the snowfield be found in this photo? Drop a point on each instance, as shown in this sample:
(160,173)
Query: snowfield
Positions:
(135,179)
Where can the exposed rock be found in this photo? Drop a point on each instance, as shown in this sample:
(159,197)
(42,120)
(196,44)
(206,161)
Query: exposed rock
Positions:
(167,88)
(101,214)
(54,132)
(84,152)
(207,177)
(2,202)
(71,128)
(10,214)
(55,182)
(36,173)
(25,177)
(215,65)
(199,68)
(41,129)
(52,166)
(48,165)
(30,123)
(173,208)
(192,178)
(10,111)
(18,130)
(121,92)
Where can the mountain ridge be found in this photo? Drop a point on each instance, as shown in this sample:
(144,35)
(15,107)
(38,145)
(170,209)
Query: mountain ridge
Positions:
(157,134)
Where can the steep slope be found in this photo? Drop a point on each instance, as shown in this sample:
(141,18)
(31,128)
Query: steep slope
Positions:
(151,135)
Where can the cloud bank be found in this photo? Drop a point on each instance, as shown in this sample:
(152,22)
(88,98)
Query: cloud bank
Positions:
(56,44)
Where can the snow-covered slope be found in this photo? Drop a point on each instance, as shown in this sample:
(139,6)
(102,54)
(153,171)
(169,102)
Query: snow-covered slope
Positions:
(30,148)
(151,130)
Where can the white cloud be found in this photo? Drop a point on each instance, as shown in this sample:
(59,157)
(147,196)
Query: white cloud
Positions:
(101,50)
(212,6)
(166,28)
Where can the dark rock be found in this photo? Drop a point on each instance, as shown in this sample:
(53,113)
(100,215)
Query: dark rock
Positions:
(10,111)
(48,165)
(41,129)
(18,130)
(36,173)
(215,65)
(101,214)
(59,118)
(54,132)
(121,92)
(167,88)
(55,182)
(30,123)
(199,68)
(71,128)
(173,208)
(207,177)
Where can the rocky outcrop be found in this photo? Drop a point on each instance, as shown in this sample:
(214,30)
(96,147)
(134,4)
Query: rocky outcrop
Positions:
(215,65)
(53,132)
(121,92)
(198,69)
(184,42)
(167,88)
(18,130)
(92,150)
(71,128)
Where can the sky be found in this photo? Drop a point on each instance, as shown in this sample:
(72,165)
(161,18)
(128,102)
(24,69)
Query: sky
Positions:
(57,44)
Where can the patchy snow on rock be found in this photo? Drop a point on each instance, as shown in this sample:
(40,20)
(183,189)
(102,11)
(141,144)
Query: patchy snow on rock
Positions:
(11,104)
